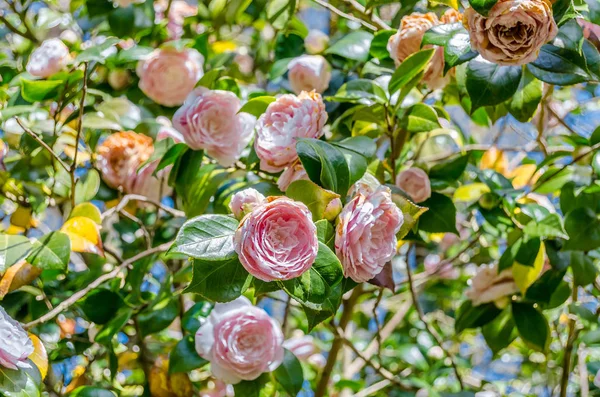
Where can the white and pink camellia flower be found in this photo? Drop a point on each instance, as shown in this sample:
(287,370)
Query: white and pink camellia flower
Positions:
(490,286)
(277,240)
(119,159)
(49,58)
(315,41)
(415,182)
(309,72)
(288,118)
(365,238)
(16,346)
(244,201)
(303,347)
(209,120)
(169,75)
(241,341)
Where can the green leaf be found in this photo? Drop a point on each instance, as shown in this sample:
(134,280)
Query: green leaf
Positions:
(115,325)
(583,227)
(410,211)
(315,197)
(541,290)
(358,152)
(489,84)
(52,251)
(549,227)
(100,305)
(420,118)
(565,10)
(90,391)
(158,317)
(532,326)
(527,98)
(582,265)
(289,374)
(469,316)
(362,91)
(316,287)
(191,319)
(379,44)
(482,6)
(500,332)
(183,357)
(219,281)
(98,52)
(450,169)
(251,388)
(560,66)
(207,237)
(354,46)
(24,382)
(325,233)
(40,90)
(210,77)
(409,69)
(120,19)
(441,216)
(455,40)
(279,12)
(87,186)
(257,106)
(13,248)
(324,164)
(171,156)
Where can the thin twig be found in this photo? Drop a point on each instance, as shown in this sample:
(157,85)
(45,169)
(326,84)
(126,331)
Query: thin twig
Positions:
(286,314)
(138,221)
(42,143)
(375,387)
(429,328)
(27,34)
(566,364)
(94,284)
(79,129)
(345,15)
(136,197)
(374,18)
(376,318)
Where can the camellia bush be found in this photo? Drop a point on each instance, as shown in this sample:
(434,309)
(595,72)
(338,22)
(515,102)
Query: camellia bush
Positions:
(299,198)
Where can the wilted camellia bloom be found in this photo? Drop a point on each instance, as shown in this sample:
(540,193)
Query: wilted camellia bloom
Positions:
(277,240)
(315,41)
(288,118)
(293,173)
(168,75)
(490,286)
(209,120)
(365,238)
(451,16)
(16,346)
(49,58)
(309,72)
(241,341)
(513,32)
(407,41)
(415,182)
(244,201)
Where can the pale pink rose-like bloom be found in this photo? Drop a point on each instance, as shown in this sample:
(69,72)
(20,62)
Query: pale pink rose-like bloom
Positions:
(490,286)
(49,58)
(309,72)
(169,75)
(415,182)
(293,173)
(220,389)
(315,41)
(241,341)
(209,120)
(407,41)
(288,118)
(365,238)
(451,16)
(513,32)
(303,347)
(16,346)
(244,201)
(244,61)
(277,240)
(177,13)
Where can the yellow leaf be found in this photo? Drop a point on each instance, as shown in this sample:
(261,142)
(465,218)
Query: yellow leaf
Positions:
(84,234)
(87,210)
(526,275)
(469,193)
(39,355)
(18,275)
(164,385)
(450,3)
(22,218)
(494,159)
(223,46)
(523,175)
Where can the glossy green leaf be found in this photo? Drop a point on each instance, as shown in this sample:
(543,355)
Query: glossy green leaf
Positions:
(315,197)
(257,106)
(354,46)
(40,90)
(527,98)
(289,374)
(532,326)
(52,251)
(207,237)
(324,164)
(183,357)
(489,84)
(409,69)
(219,281)
(441,216)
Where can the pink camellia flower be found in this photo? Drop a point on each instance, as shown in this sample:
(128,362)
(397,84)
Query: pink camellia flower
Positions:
(365,238)
(315,41)
(591,31)
(16,346)
(303,347)
(415,182)
(309,72)
(277,240)
(288,118)
(209,120)
(293,173)
(490,286)
(168,75)
(241,341)
(177,13)
(49,58)
(243,202)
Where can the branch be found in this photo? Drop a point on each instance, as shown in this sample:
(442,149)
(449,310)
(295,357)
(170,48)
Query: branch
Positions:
(566,364)
(345,15)
(42,143)
(374,18)
(430,329)
(94,284)
(27,34)
(79,129)
(136,197)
